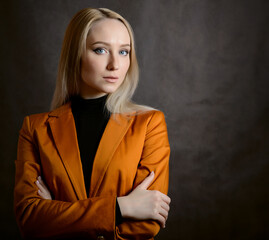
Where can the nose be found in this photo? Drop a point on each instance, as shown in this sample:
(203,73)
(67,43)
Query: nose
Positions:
(113,63)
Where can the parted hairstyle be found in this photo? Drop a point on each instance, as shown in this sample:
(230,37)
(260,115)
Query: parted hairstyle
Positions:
(74,44)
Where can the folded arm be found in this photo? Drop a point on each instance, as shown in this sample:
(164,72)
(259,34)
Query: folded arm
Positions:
(41,218)
(155,157)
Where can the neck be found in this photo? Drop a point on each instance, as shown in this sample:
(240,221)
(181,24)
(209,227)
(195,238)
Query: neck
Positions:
(87,92)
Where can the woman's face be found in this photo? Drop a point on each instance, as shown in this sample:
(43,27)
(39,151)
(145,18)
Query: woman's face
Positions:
(106,60)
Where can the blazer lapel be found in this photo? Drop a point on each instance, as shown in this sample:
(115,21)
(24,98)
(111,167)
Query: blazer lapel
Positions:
(115,130)
(63,129)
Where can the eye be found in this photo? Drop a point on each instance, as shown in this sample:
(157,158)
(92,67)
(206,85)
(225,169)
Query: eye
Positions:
(100,51)
(124,52)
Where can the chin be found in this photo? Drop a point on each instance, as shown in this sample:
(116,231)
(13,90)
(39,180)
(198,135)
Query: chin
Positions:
(110,90)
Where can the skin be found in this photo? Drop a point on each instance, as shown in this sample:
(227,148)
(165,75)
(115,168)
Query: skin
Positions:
(106,61)
(103,68)
(143,204)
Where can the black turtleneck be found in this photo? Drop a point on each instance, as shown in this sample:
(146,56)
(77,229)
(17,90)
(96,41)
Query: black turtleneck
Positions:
(91,118)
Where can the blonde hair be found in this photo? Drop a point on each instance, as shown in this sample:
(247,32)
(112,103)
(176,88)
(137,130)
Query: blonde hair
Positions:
(74,44)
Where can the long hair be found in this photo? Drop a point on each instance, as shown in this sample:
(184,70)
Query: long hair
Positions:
(74,44)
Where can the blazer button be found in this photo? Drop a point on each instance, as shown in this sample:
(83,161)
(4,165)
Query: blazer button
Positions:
(100,238)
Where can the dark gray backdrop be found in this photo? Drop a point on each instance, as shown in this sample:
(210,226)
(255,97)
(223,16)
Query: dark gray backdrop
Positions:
(204,63)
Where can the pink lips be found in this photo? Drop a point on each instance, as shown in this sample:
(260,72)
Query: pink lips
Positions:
(111,79)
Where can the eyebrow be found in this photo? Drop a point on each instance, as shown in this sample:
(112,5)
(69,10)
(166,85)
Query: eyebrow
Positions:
(104,43)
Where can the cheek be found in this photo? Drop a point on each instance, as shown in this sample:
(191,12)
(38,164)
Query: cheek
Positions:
(125,67)
(86,67)
(87,73)
(91,66)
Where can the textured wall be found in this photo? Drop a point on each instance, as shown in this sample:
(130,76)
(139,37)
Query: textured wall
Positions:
(204,63)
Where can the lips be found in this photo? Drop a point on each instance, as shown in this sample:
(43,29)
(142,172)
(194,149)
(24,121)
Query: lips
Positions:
(111,79)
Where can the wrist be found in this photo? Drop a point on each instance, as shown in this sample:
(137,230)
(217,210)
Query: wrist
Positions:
(124,206)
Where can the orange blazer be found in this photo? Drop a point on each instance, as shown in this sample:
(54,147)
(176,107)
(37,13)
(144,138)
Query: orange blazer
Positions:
(130,148)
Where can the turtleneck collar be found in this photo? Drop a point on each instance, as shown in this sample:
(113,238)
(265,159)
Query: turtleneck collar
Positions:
(94,105)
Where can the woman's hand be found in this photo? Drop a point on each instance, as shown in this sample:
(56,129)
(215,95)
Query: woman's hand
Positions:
(142,204)
(42,189)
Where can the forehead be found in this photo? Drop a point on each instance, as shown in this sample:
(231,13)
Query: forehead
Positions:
(109,30)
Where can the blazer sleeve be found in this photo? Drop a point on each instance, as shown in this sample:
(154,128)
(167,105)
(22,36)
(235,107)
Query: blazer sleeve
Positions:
(155,157)
(39,218)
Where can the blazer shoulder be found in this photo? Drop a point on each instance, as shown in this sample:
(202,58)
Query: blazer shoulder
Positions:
(151,114)
(150,118)
(40,119)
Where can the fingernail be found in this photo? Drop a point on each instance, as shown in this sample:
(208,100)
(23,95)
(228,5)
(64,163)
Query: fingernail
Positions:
(152,172)
(37,181)
(39,177)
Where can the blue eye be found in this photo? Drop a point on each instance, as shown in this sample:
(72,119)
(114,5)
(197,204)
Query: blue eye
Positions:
(99,50)
(124,52)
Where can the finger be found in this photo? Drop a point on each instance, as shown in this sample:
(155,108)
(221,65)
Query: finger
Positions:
(163,212)
(39,192)
(146,182)
(166,198)
(161,220)
(40,186)
(165,206)
(44,186)
(42,183)
(43,195)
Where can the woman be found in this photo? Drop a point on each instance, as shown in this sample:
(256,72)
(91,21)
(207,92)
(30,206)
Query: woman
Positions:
(103,159)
